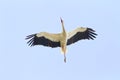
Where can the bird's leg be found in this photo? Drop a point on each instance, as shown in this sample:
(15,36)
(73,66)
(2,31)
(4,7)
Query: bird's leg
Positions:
(64,58)
(64,52)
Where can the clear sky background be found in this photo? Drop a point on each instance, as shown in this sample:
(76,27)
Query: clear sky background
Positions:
(97,59)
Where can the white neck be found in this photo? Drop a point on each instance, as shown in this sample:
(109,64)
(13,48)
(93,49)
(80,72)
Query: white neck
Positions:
(63,29)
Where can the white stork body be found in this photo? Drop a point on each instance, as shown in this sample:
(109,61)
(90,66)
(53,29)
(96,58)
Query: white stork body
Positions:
(61,39)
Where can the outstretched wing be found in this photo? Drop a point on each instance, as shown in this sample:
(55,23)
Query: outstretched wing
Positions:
(79,34)
(45,39)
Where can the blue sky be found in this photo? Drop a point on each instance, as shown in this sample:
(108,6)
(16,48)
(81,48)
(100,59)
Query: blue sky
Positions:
(86,60)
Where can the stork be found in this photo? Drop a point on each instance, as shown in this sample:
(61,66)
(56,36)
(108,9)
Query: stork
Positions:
(61,39)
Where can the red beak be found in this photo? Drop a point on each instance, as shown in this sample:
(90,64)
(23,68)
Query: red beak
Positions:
(61,20)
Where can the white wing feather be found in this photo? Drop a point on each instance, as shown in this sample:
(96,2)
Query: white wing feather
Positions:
(50,36)
(72,33)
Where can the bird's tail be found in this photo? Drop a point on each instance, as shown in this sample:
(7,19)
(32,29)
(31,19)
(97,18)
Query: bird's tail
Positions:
(63,50)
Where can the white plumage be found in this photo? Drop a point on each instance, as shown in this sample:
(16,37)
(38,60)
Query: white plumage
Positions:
(61,39)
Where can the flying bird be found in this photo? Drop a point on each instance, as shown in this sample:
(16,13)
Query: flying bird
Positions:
(61,39)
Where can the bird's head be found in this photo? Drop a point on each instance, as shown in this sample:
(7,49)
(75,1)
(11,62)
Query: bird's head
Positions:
(61,20)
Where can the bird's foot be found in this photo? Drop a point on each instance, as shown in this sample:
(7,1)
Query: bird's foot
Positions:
(65,60)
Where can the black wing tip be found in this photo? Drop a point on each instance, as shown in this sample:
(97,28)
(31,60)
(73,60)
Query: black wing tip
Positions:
(30,36)
(31,41)
(92,31)
(92,34)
